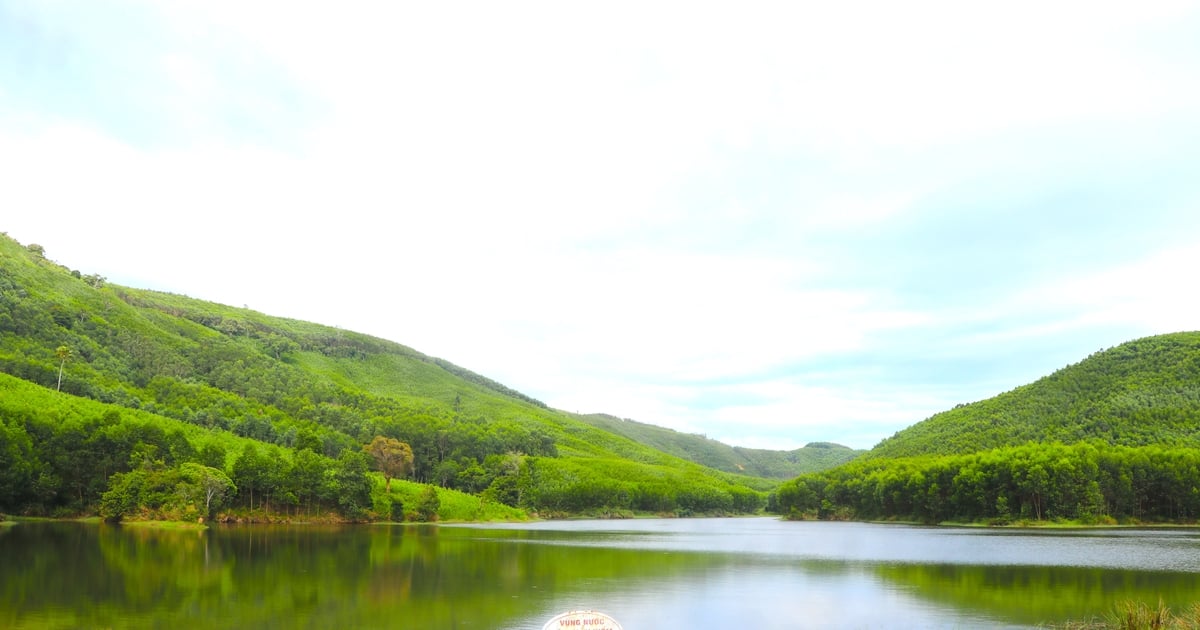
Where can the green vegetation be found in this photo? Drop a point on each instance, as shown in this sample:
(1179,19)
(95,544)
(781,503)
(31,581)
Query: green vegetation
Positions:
(1088,482)
(1136,615)
(141,404)
(1111,439)
(190,490)
(1139,615)
(1043,596)
(734,459)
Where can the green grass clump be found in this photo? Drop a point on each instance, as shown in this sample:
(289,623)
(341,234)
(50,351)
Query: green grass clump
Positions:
(1142,616)
(1138,615)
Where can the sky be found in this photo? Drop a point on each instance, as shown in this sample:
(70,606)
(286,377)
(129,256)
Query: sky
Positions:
(767,223)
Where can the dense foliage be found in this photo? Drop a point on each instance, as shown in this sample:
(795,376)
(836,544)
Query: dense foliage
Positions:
(1115,437)
(283,408)
(62,455)
(1091,482)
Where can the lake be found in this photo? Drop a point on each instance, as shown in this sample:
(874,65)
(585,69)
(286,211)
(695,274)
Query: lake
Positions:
(680,573)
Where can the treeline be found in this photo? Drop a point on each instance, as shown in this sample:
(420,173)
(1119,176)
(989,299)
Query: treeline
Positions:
(64,456)
(61,456)
(1090,482)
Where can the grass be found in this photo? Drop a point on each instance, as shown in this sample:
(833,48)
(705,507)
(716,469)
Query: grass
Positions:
(1136,615)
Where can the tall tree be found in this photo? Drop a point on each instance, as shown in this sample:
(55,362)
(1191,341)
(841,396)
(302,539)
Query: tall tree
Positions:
(350,483)
(209,484)
(393,457)
(250,471)
(63,353)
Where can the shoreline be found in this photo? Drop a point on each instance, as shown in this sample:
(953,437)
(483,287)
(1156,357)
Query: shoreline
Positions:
(1019,524)
(161,524)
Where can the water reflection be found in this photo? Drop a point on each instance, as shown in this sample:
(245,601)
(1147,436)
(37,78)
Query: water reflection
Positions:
(1149,549)
(707,573)
(1036,595)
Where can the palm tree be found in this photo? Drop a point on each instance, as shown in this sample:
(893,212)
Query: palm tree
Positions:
(63,353)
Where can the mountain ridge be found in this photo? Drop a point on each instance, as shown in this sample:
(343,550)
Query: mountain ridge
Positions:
(716,454)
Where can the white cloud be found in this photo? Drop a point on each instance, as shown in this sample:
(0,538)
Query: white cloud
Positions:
(1149,295)
(622,208)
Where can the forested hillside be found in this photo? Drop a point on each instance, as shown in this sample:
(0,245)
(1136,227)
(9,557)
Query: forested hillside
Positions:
(304,397)
(1141,392)
(736,459)
(1115,437)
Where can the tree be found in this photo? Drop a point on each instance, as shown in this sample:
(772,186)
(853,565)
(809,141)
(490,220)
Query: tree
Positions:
(95,280)
(211,484)
(446,473)
(17,465)
(212,455)
(307,474)
(428,504)
(307,439)
(250,471)
(277,345)
(393,457)
(350,484)
(63,353)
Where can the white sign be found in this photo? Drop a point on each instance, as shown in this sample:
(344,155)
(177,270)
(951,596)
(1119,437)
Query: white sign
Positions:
(582,620)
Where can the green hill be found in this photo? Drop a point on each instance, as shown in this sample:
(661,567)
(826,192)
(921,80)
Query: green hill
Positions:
(287,407)
(735,459)
(1113,438)
(1141,392)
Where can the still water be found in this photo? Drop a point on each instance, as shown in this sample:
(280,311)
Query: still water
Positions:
(679,573)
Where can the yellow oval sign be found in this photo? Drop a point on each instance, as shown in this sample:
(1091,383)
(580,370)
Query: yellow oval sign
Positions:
(582,620)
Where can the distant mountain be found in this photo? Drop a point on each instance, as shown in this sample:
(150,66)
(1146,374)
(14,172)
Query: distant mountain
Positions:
(290,387)
(1142,392)
(735,459)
